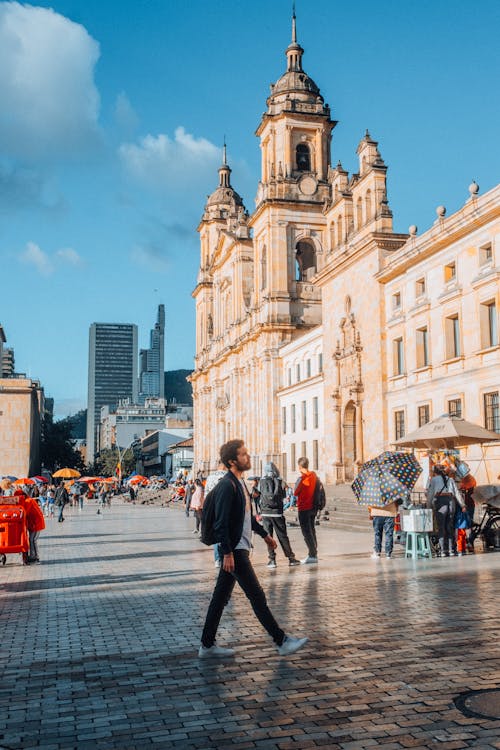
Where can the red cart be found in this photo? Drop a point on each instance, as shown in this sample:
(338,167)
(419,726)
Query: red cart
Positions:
(13,529)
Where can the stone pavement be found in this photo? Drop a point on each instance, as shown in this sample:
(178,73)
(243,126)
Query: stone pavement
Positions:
(99,642)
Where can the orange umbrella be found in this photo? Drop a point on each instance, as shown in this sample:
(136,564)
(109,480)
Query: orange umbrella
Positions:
(67,474)
(138,479)
(25,480)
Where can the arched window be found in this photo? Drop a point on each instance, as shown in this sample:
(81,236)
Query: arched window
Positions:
(359,213)
(340,233)
(368,205)
(263,268)
(305,255)
(303,157)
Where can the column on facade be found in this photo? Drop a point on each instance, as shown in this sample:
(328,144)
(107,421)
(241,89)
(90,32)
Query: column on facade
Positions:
(359,431)
(337,407)
(319,154)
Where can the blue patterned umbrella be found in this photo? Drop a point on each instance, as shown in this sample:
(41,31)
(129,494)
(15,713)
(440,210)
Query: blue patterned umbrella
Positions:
(386,478)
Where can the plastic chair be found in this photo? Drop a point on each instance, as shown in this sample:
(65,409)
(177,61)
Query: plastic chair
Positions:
(417,544)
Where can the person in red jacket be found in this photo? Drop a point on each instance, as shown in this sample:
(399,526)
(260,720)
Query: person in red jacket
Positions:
(304,492)
(35,522)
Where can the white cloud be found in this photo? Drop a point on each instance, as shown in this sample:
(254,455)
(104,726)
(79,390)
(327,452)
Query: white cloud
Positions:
(33,255)
(70,256)
(178,162)
(49,101)
(125,114)
(46,264)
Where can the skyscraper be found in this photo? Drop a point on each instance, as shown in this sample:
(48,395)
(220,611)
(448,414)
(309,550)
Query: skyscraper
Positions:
(112,372)
(152,361)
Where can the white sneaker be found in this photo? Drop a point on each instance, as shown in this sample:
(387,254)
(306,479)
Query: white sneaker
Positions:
(214,652)
(216,564)
(388,557)
(272,564)
(309,561)
(375,555)
(290,645)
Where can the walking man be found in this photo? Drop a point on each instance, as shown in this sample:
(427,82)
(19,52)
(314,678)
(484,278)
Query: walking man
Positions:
(233,525)
(61,500)
(272,493)
(304,492)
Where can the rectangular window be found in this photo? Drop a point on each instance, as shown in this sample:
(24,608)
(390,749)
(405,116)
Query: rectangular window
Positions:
(298,373)
(455,407)
(289,376)
(293,457)
(315,455)
(308,368)
(303,449)
(452,336)
(450,272)
(315,412)
(398,357)
(485,254)
(422,340)
(292,418)
(284,462)
(304,415)
(492,411)
(396,301)
(283,420)
(320,363)
(489,326)
(399,424)
(419,288)
(423,415)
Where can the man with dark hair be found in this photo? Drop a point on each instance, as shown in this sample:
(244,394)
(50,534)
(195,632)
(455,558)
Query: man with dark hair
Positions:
(304,492)
(233,526)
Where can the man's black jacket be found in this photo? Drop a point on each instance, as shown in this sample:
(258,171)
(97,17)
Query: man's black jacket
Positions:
(230,513)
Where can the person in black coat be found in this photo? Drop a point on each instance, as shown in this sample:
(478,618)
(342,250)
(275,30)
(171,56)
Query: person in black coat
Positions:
(233,526)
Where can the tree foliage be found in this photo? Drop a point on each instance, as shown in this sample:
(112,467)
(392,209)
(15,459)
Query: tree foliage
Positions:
(57,448)
(107,461)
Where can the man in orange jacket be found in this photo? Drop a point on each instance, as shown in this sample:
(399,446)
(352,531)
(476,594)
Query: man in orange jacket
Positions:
(304,492)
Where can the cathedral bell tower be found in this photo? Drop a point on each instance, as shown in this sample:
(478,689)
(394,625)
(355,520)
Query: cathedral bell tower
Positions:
(288,223)
(295,135)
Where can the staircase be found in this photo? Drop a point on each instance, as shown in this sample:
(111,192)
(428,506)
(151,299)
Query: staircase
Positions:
(344,512)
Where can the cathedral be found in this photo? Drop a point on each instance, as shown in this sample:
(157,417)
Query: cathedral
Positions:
(319,330)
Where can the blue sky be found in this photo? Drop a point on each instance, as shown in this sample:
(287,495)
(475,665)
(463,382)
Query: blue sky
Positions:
(112,118)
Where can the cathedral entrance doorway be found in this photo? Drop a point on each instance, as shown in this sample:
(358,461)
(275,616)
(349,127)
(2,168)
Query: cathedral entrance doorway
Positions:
(349,435)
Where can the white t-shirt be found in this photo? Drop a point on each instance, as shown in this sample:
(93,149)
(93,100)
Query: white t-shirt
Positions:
(246,535)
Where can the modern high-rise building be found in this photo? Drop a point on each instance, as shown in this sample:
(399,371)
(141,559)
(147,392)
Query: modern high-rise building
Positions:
(152,361)
(112,373)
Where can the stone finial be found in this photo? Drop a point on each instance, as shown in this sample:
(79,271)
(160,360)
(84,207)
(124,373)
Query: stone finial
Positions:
(441,212)
(413,229)
(473,188)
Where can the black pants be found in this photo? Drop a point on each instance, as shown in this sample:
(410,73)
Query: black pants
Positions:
(278,522)
(244,574)
(306,520)
(197,515)
(444,509)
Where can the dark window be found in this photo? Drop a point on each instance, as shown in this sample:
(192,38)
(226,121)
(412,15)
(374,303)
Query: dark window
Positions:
(423,415)
(399,424)
(305,255)
(303,158)
(455,407)
(492,411)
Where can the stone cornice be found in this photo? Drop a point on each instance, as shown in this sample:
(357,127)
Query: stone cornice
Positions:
(472,216)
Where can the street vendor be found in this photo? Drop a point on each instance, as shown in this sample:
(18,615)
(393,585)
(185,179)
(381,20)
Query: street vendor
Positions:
(383,523)
(444,498)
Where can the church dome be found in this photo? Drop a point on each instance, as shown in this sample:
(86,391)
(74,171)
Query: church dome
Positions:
(224,195)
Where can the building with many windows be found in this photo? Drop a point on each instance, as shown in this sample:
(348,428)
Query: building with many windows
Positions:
(152,361)
(112,373)
(405,326)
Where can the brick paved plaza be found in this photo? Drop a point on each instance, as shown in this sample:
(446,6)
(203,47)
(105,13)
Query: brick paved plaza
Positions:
(99,644)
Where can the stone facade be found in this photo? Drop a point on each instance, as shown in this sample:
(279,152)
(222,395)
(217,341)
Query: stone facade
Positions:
(317,268)
(21,407)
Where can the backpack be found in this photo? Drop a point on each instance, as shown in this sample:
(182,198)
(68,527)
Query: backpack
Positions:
(272,494)
(319,497)
(207,535)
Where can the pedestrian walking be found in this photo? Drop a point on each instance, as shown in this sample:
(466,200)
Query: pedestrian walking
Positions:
(233,525)
(61,500)
(383,519)
(304,492)
(190,487)
(197,504)
(272,492)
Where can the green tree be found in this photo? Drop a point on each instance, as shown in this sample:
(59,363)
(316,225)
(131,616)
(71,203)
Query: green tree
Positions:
(107,461)
(57,448)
